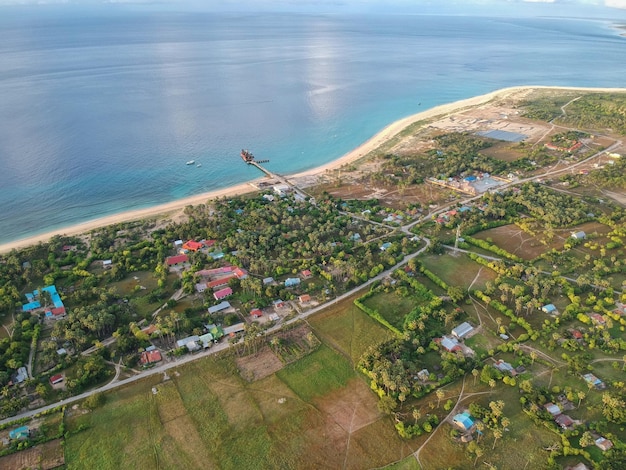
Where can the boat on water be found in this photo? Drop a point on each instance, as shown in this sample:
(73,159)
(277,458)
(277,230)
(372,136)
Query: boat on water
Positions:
(190,162)
(198,165)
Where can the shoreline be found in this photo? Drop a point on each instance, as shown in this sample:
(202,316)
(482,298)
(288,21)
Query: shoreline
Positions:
(245,188)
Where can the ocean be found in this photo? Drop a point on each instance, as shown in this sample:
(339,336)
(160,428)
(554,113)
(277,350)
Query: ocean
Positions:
(101,109)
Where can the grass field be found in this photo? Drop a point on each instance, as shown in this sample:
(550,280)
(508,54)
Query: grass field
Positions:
(314,413)
(392,307)
(348,329)
(459,270)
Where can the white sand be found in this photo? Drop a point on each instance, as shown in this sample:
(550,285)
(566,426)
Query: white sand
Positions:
(373,143)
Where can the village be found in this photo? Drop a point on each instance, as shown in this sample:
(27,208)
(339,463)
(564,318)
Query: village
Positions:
(477,310)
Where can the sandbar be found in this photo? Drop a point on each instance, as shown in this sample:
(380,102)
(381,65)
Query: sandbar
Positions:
(171,208)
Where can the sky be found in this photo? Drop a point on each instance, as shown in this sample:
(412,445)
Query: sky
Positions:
(609,9)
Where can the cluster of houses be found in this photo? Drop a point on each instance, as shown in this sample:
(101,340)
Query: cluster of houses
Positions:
(181,259)
(446,216)
(452,342)
(57,310)
(217,280)
(564,421)
(572,148)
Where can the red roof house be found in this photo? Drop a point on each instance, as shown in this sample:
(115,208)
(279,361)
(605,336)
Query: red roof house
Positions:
(148,357)
(306,274)
(304,298)
(192,245)
(55,379)
(178,259)
(58,311)
(256,313)
(223,293)
(222,281)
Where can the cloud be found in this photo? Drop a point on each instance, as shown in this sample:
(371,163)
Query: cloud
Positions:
(615,3)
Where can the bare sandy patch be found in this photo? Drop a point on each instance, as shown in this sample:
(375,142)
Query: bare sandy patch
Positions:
(259,365)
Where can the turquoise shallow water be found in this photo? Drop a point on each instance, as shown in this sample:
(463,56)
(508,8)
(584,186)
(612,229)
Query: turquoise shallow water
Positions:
(100,109)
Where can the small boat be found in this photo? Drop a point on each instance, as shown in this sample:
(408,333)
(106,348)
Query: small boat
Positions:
(190,162)
(198,165)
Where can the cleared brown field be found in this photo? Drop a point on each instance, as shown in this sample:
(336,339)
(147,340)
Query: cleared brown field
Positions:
(44,456)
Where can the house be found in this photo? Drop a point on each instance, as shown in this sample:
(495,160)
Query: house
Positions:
(385,246)
(578,466)
(150,357)
(462,330)
(219,307)
(306,274)
(564,421)
(553,409)
(282,189)
(150,329)
(62,351)
(463,421)
(234,329)
(190,342)
(356,237)
(206,340)
(178,244)
(274,317)
(201,287)
(222,293)
(58,312)
(449,344)
(278,303)
(423,375)
(304,298)
(215,330)
(578,235)
(550,309)
(240,273)
(268,197)
(577,335)
(176,260)
(603,444)
(21,375)
(292,281)
(267,280)
(594,381)
(20,433)
(505,367)
(107,263)
(597,319)
(221,282)
(256,313)
(55,379)
(192,245)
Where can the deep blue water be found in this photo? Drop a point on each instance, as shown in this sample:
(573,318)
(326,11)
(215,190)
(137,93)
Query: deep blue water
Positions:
(100,111)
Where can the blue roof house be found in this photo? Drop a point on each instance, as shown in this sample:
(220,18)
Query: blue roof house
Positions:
(463,421)
(549,308)
(292,281)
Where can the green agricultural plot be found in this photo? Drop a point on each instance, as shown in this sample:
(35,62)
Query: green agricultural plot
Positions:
(348,329)
(321,372)
(459,270)
(391,307)
(314,413)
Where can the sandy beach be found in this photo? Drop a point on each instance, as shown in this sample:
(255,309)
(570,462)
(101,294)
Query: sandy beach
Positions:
(388,132)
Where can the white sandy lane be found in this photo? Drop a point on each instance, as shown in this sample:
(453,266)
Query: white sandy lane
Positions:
(362,150)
